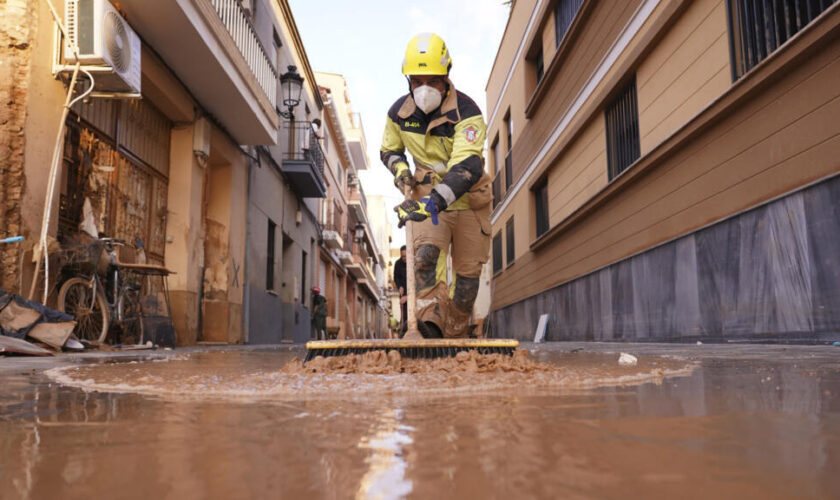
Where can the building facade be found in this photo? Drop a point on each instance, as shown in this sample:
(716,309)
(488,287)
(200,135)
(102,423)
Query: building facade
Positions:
(193,164)
(666,170)
(285,190)
(349,260)
(382,233)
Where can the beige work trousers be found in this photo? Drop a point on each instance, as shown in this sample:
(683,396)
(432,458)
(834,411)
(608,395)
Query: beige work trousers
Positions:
(468,234)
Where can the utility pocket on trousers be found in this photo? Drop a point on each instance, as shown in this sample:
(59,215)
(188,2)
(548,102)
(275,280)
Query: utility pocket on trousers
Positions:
(481,194)
(483,216)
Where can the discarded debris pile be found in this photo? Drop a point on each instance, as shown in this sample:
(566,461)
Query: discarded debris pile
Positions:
(22,320)
(380,362)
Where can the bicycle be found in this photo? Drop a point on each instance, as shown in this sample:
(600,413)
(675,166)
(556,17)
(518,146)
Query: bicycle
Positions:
(96,303)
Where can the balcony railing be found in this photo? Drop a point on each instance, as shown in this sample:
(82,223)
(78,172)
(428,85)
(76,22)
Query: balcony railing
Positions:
(238,24)
(301,143)
(303,159)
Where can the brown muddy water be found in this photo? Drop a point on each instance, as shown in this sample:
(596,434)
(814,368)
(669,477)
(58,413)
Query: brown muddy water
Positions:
(233,424)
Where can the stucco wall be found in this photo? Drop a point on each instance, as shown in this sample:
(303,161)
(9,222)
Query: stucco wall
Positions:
(16,33)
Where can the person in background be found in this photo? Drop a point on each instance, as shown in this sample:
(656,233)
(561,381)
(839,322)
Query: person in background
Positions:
(393,326)
(319,314)
(399,280)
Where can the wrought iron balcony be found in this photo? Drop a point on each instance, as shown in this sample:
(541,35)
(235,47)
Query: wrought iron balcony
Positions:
(302,159)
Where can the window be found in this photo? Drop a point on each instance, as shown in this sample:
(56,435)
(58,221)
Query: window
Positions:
(757,28)
(497,171)
(541,206)
(564,13)
(510,250)
(497,252)
(540,66)
(269,258)
(509,155)
(509,130)
(278,44)
(303,277)
(622,118)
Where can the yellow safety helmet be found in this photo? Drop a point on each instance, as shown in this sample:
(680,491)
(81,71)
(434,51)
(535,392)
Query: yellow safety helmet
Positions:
(426,54)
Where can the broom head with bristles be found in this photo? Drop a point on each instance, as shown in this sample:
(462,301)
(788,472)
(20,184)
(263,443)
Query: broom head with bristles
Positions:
(413,349)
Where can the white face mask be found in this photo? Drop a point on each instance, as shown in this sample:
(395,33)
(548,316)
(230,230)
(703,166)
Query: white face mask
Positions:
(427,98)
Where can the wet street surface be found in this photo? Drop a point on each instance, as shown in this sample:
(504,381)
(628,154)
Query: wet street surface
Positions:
(687,422)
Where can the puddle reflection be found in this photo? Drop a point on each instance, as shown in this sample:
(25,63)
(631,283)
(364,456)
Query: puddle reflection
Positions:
(754,428)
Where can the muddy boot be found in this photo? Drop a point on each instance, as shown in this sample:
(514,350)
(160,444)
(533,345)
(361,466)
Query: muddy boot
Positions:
(460,311)
(457,323)
(429,330)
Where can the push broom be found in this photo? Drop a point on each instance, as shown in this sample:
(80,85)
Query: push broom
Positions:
(412,345)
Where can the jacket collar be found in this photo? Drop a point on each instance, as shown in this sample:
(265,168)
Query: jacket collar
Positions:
(447,112)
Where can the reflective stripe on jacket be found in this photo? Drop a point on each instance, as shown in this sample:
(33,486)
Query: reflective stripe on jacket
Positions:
(447,146)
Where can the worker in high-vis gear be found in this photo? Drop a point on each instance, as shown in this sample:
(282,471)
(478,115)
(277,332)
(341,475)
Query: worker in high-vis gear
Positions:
(451,196)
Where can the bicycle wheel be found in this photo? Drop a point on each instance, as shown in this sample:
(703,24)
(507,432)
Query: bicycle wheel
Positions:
(76,297)
(130,314)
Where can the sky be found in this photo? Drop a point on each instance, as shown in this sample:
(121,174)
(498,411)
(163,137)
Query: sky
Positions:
(365,41)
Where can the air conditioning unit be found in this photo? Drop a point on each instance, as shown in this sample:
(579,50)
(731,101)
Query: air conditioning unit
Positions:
(103,38)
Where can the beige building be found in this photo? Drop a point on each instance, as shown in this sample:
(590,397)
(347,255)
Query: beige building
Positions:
(666,170)
(188,153)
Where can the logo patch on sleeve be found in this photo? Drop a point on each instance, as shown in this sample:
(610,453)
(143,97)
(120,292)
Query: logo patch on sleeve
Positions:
(471,134)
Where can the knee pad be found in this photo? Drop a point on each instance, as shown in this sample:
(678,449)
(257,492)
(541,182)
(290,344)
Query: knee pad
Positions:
(425,267)
(466,289)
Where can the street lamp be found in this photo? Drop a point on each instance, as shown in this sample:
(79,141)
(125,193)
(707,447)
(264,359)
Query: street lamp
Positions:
(291,83)
(360,232)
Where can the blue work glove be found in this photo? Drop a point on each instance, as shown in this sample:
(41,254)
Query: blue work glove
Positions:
(417,211)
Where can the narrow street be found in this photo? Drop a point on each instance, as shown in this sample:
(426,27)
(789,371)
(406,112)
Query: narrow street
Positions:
(747,422)
(495,249)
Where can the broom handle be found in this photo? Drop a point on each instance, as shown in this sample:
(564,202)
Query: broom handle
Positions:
(412,333)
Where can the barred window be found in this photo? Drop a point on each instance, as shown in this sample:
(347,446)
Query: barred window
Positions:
(497,171)
(510,250)
(508,170)
(497,253)
(541,206)
(564,13)
(269,255)
(622,118)
(758,27)
(497,189)
(509,155)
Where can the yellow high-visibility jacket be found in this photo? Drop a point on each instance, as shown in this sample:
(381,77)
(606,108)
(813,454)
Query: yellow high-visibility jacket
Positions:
(447,148)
